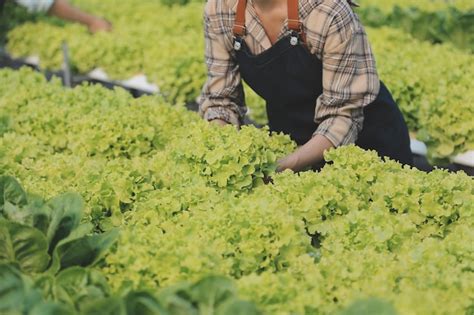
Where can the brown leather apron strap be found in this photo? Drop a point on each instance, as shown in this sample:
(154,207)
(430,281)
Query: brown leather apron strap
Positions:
(294,23)
(239,23)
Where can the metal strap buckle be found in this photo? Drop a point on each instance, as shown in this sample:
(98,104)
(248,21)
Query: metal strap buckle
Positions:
(237,43)
(293,40)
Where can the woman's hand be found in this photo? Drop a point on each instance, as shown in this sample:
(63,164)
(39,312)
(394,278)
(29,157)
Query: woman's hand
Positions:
(219,122)
(66,11)
(288,162)
(97,24)
(311,153)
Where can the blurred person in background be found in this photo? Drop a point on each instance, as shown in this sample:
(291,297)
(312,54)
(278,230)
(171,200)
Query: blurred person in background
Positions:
(64,10)
(312,63)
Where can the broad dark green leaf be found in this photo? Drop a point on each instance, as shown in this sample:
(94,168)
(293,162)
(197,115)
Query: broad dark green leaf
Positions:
(211,291)
(108,306)
(50,308)
(46,284)
(203,297)
(237,307)
(23,245)
(16,293)
(143,303)
(66,214)
(11,193)
(177,305)
(39,215)
(81,231)
(33,214)
(371,306)
(20,207)
(84,251)
(77,285)
(177,301)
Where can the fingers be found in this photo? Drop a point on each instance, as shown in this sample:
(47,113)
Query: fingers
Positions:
(99,25)
(288,162)
(219,122)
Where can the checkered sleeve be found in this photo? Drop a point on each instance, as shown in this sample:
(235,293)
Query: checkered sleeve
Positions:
(350,79)
(222,96)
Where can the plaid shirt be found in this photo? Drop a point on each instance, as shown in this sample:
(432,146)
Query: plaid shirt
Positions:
(334,34)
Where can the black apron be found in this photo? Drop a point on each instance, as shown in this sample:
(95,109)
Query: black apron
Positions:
(289,78)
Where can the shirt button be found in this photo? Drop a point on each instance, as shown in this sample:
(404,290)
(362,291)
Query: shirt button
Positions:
(294,40)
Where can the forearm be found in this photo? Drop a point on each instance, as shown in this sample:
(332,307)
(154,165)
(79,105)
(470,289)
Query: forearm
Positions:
(64,10)
(311,153)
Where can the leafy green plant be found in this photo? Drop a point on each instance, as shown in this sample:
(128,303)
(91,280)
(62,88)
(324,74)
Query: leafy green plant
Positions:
(427,5)
(375,237)
(84,291)
(432,87)
(44,252)
(100,144)
(170,54)
(75,289)
(19,296)
(435,21)
(38,235)
(189,199)
(369,307)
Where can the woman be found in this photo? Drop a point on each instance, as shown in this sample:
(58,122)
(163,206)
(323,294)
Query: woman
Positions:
(311,61)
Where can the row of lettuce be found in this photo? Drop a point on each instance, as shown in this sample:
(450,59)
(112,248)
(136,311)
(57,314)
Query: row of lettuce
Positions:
(431,83)
(176,216)
(47,254)
(437,21)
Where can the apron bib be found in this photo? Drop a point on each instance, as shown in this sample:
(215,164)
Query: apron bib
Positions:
(289,78)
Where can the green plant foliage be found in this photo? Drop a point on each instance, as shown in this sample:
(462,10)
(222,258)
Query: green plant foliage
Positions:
(75,287)
(210,295)
(118,134)
(383,236)
(24,246)
(437,21)
(191,203)
(427,5)
(430,83)
(369,307)
(37,235)
(356,208)
(227,160)
(82,250)
(84,291)
(168,50)
(77,290)
(65,216)
(142,302)
(18,295)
